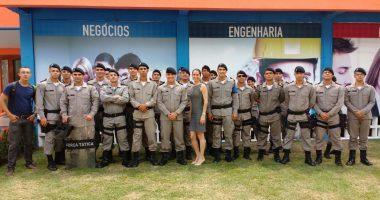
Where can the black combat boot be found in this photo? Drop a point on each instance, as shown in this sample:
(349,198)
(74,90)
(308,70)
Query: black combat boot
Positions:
(260,155)
(126,156)
(327,152)
(351,158)
(147,154)
(318,159)
(153,158)
(236,153)
(270,150)
(338,158)
(181,158)
(216,155)
(247,152)
(60,158)
(51,164)
(286,158)
(228,157)
(164,158)
(308,159)
(135,160)
(276,155)
(189,152)
(363,158)
(105,160)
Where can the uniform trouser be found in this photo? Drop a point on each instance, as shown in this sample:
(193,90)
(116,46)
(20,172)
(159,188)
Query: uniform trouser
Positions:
(275,133)
(168,127)
(305,135)
(333,130)
(115,125)
(186,130)
(22,129)
(228,127)
(53,142)
(359,129)
(149,125)
(242,131)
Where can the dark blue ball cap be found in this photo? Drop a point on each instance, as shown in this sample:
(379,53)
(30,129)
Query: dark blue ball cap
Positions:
(299,69)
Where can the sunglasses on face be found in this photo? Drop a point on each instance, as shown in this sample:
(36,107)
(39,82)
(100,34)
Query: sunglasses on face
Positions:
(241,76)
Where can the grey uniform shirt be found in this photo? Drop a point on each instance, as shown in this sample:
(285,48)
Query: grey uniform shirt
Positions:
(98,85)
(329,100)
(114,99)
(172,99)
(360,100)
(299,99)
(48,97)
(77,104)
(221,94)
(269,99)
(143,94)
(246,101)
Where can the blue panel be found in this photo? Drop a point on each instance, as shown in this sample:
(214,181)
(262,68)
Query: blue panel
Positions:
(327,43)
(104,28)
(358,17)
(26,43)
(182,41)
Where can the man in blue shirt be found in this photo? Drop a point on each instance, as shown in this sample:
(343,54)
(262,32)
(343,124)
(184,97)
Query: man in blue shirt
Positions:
(17,100)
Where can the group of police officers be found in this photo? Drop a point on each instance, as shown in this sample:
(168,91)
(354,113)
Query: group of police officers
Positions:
(107,108)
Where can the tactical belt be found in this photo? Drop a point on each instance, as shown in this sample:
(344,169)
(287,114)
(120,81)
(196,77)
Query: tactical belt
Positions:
(186,109)
(298,112)
(80,144)
(276,110)
(244,110)
(325,125)
(51,111)
(111,129)
(138,124)
(113,115)
(217,121)
(221,106)
(148,108)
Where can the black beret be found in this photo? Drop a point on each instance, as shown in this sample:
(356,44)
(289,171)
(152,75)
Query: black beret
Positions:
(185,70)
(270,69)
(76,69)
(222,65)
(114,71)
(251,78)
(144,65)
(170,70)
(278,70)
(156,71)
(133,66)
(242,72)
(361,70)
(299,69)
(67,69)
(206,68)
(329,70)
(108,69)
(55,66)
(100,65)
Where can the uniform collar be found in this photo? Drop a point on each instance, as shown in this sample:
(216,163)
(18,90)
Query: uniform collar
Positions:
(175,84)
(50,81)
(273,85)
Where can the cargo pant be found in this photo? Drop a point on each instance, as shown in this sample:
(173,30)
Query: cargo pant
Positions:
(275,133)
(117,125)
(149,125)
(228,127)
(167,128)
(332,127)
(305,134)
(359,129)
(242,131)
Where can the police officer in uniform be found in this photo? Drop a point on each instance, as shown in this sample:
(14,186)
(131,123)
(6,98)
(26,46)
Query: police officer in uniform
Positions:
(244,123)
(66,73)
(48,97)
(143,96)
(186,83)
(269,95)
(99,81)
(79,104)
(172,100)
(222,111)
(114,98)
(299,98)
(360,98)
(329,101)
